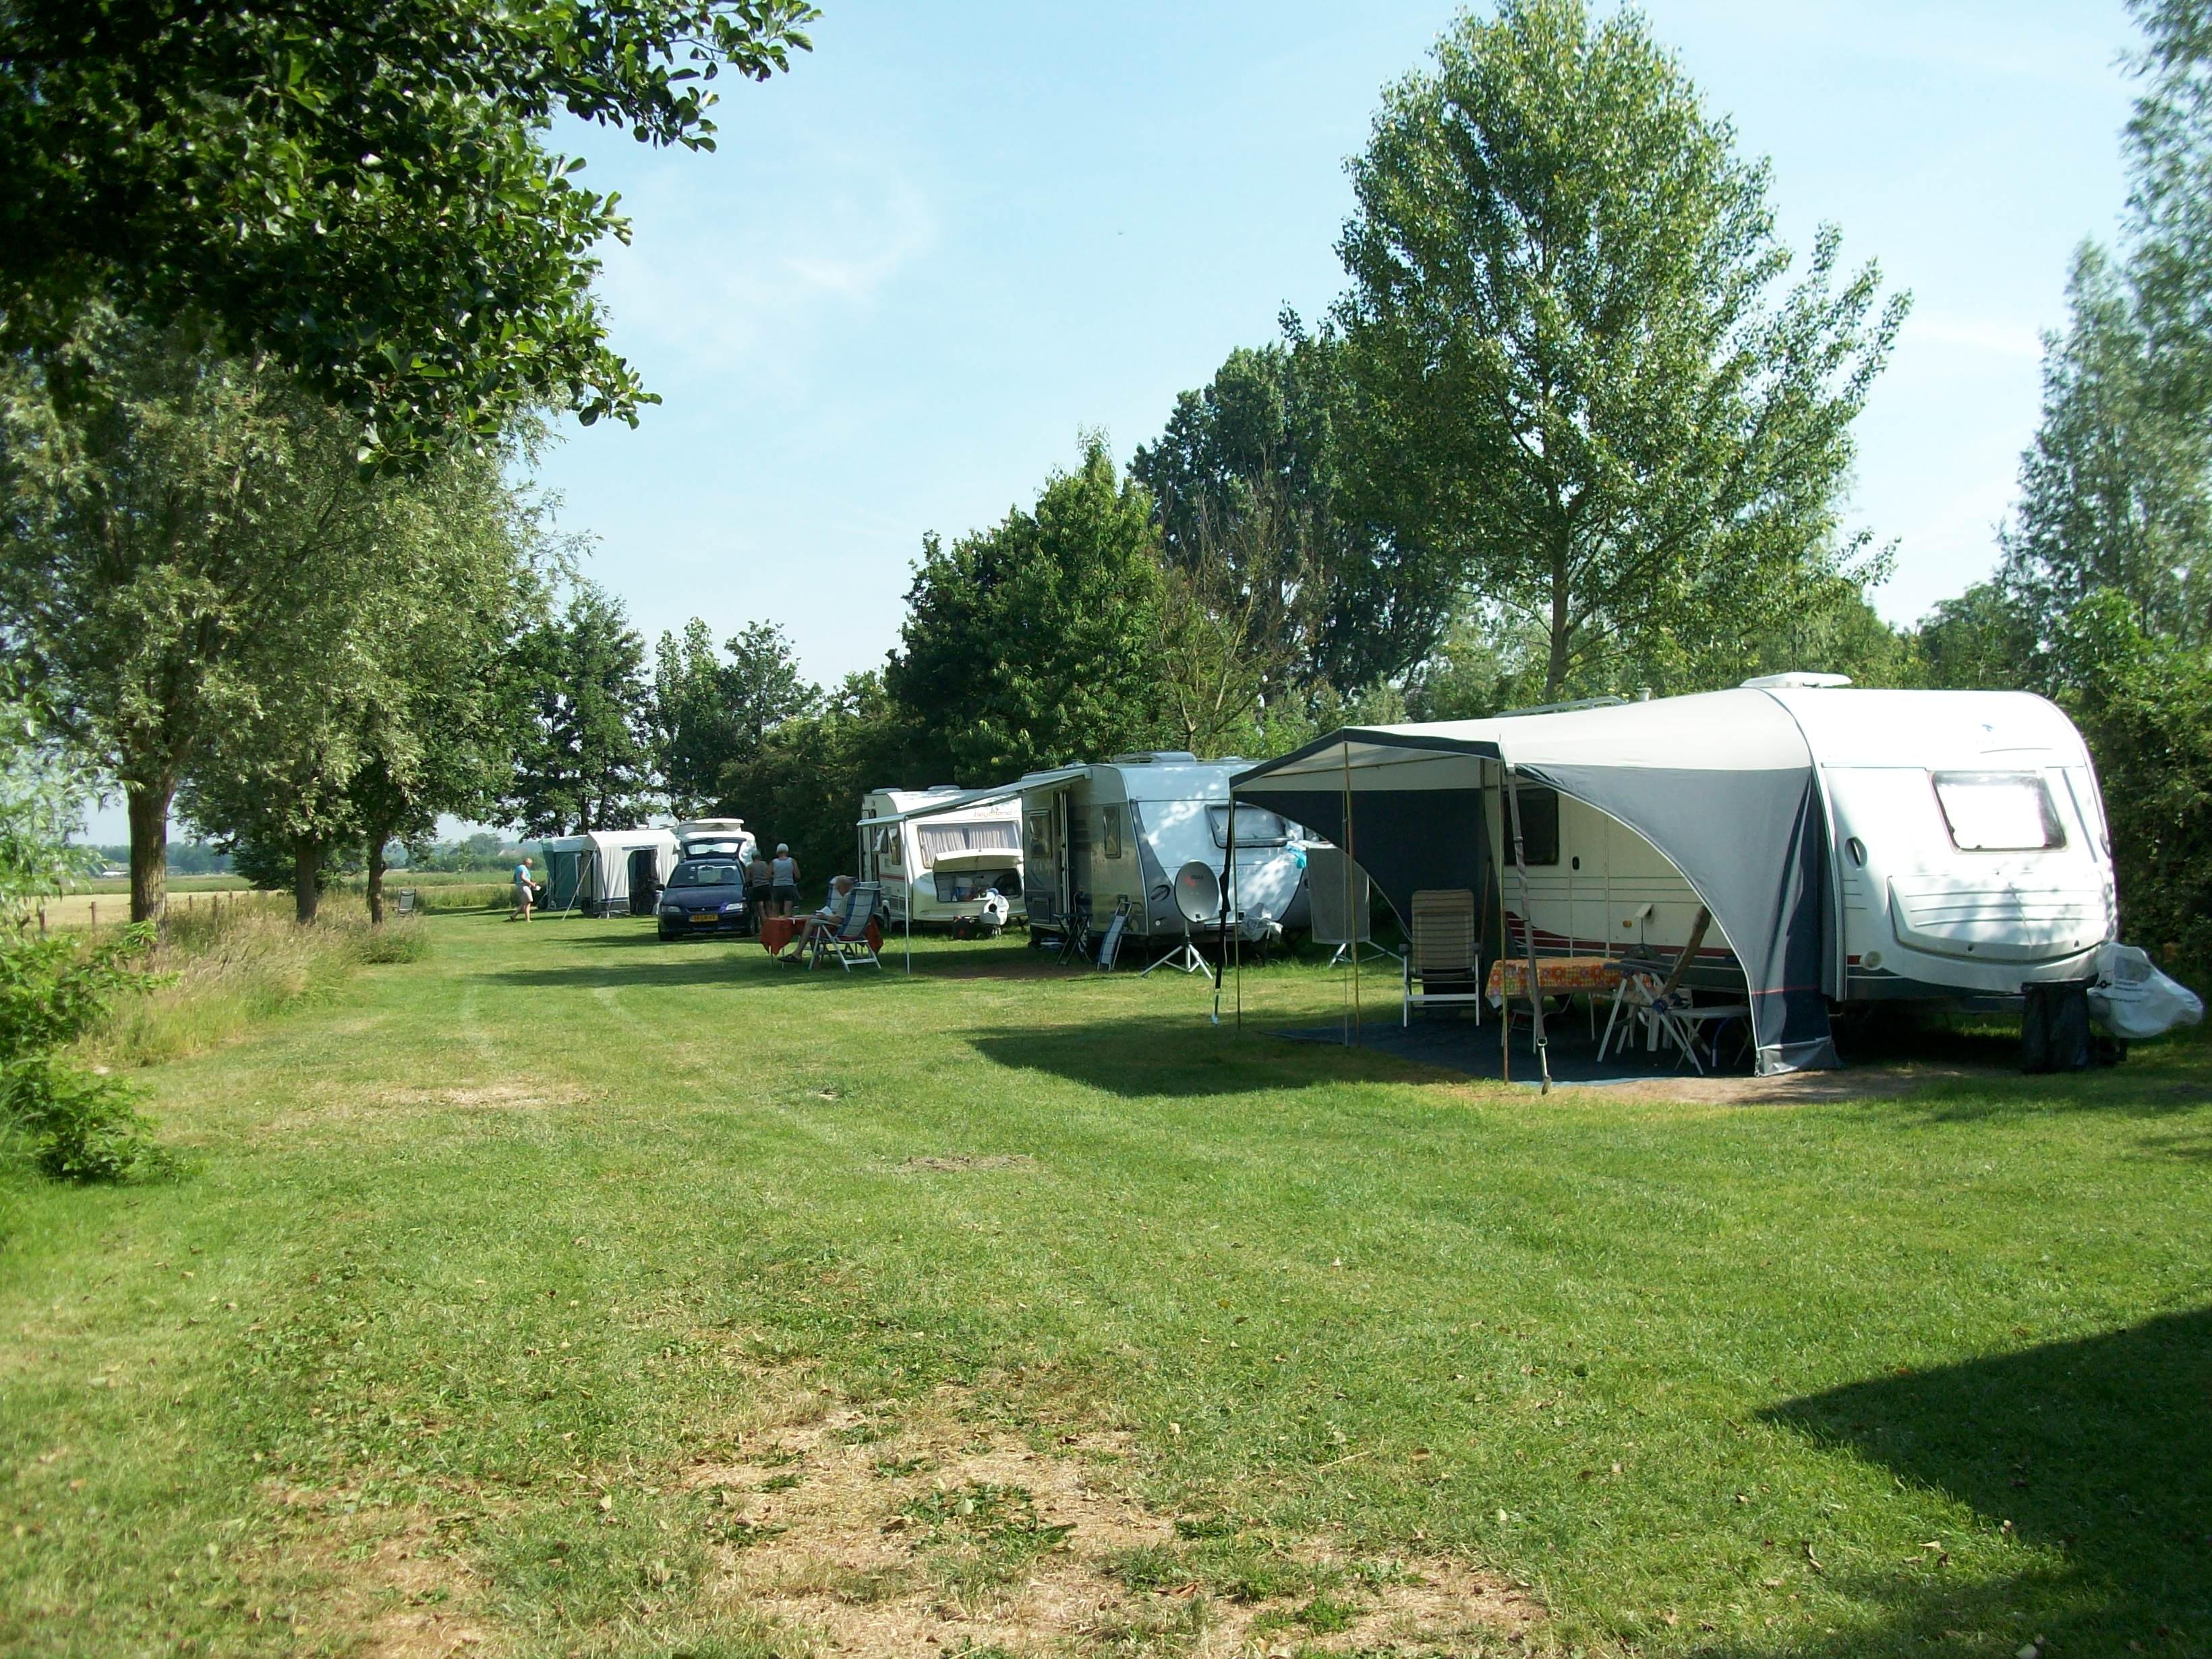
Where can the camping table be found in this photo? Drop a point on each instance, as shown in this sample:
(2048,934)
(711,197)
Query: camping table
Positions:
(777,932)
(1555,976)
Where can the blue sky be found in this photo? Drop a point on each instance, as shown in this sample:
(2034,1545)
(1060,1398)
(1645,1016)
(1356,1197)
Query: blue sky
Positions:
(955,236)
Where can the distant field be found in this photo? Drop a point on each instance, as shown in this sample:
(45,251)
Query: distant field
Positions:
(569,1293)
(110,896)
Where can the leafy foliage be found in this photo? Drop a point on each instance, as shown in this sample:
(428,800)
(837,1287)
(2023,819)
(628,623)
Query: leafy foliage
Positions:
(2144,701)
(358,188)
(804,784)
(582,708)
(1579,392)
(156,539)
(1037,641)
(54,989)
(710,715)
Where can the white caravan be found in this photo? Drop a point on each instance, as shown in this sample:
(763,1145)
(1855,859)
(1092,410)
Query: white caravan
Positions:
(608,872)
(1850,846)
(1094,836)
(946,861)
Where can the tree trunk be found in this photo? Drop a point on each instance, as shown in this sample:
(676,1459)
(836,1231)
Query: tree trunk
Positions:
(376,880)
(149,851)
(306,863)
(1555,667)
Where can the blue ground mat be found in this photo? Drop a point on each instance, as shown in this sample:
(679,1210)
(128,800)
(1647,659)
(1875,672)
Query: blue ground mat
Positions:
(1456,1043)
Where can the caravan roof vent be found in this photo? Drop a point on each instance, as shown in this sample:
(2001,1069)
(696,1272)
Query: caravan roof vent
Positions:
(942,789)
(1157,758)
(1796,682)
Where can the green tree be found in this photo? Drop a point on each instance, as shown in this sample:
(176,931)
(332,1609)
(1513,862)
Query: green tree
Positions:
(2144,703)
(2115,492)
(1582,395)
(710,714)
(190,508)
(584,760)
(804,784)
(360,188)
(1036,641)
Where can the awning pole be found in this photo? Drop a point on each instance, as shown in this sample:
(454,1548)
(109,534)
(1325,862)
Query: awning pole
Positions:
(1528,937)
(1350,856)
(1228,896)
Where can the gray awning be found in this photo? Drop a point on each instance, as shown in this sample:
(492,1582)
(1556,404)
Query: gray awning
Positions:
(1722,784)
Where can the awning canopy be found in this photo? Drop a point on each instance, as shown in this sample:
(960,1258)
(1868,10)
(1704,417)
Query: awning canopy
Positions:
(991,797)
(1722,784)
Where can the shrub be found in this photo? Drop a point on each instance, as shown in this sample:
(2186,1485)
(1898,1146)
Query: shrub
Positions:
(78,1125)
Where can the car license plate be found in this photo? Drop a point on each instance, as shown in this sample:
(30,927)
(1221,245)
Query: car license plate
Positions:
(706,915)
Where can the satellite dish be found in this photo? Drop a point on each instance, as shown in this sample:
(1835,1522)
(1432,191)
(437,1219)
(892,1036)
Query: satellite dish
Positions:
(1198,892)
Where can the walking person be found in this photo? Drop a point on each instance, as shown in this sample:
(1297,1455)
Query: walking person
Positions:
(526,890)
(783,880)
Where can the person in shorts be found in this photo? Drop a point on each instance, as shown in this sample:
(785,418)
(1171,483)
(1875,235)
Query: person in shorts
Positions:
(760,886)
(526,890)
(783,881)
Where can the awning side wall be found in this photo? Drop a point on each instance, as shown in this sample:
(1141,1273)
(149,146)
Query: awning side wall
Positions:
(1407,840)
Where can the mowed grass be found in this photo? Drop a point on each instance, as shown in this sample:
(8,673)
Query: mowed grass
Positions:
(473,1263)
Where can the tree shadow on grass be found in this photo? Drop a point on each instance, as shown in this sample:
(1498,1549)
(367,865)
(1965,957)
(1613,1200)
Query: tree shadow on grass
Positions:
(2099,1450)
(1185,1055)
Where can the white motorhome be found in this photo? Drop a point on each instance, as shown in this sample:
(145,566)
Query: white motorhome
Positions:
(1850,846)
(608,872)
(941,863)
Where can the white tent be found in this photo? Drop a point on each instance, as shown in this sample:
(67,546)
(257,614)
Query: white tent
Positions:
(605,872)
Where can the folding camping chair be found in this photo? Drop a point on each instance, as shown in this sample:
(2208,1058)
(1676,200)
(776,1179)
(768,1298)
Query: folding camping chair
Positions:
(1109,943)
(1443,954)
(1075,931)
(849,944)
(1667,1013)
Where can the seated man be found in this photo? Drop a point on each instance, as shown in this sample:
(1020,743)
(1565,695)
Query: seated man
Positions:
(825,922)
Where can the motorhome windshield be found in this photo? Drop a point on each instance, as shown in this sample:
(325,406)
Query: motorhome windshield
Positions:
(1255,828)
(1998,811)
(706,875)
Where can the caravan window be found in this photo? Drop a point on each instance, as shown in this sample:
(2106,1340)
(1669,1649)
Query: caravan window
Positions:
(958,886)
(1539,825)
(937,837)
(1040,837)
(1109,832)
(1998,811)
(1256,827)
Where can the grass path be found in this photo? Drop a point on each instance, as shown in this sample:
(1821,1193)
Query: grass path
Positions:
(510,1294)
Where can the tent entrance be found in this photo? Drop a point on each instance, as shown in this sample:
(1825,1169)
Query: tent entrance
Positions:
(644,880)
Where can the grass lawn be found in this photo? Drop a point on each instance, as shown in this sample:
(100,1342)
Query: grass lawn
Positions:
(567,1292)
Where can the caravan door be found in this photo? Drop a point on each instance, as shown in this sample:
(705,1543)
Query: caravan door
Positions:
(1044,858)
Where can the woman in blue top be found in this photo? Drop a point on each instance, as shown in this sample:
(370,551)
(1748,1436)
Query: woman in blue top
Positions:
(783,880)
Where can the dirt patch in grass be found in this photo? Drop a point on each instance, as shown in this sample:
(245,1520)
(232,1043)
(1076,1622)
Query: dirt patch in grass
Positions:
(926,1532)
(394,1581)
(961,1161)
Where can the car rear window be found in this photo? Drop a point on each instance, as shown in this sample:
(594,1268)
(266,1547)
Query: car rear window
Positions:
(706,875)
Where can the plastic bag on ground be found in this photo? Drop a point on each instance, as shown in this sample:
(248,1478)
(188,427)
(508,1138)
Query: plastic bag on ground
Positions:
(2133,1000)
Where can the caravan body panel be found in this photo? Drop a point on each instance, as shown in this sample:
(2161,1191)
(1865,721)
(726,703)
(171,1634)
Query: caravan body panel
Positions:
(1122,828)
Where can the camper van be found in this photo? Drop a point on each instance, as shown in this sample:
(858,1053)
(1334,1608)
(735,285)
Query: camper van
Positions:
(1095,836)
(941,863)
(1820,846)
(608,872)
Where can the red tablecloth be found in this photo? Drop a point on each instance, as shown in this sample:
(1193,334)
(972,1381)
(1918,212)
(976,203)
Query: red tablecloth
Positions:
(777,932)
